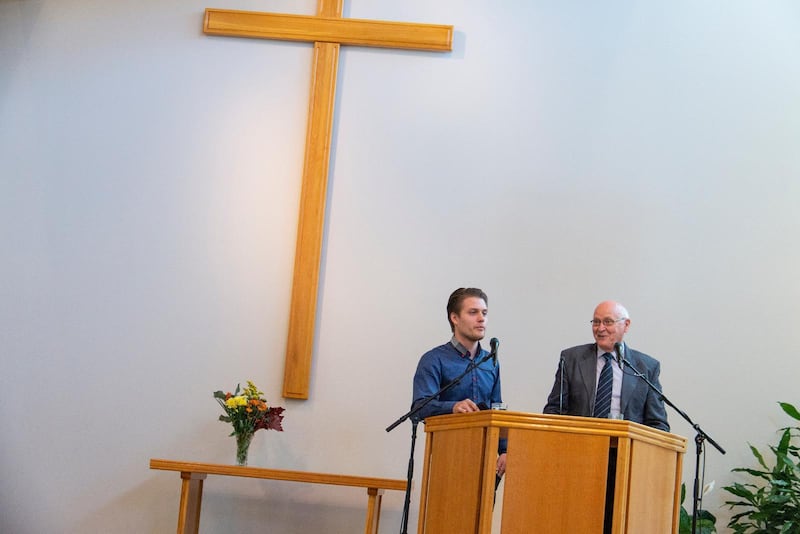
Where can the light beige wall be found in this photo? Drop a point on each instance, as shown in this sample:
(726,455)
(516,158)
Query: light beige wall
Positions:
(561,154)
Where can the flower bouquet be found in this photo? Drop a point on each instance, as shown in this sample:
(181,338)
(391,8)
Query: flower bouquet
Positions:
(247,411)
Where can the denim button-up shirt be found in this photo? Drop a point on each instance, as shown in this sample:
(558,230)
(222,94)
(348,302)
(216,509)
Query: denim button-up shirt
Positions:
(443,364)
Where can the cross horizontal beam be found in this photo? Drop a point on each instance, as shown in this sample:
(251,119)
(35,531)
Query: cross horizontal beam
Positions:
(358,32)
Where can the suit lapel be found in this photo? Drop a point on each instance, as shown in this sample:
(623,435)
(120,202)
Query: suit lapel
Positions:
(629,381)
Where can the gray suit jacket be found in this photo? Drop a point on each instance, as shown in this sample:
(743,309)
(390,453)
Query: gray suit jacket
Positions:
(638,402)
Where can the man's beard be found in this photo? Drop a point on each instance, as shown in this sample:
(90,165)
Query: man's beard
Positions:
(474,337)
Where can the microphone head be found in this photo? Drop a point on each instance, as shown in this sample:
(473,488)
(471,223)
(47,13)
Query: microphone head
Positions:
(620,350)
(493,343)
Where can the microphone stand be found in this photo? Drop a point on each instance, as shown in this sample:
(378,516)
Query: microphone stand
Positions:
(473,364)
(700,437)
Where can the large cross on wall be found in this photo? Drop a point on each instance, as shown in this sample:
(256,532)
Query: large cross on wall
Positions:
(328,31)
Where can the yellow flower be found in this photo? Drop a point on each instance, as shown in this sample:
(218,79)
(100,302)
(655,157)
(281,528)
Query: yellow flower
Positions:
(252,391)
(233,402)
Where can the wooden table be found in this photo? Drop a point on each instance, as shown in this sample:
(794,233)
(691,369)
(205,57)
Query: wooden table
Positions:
(193,474)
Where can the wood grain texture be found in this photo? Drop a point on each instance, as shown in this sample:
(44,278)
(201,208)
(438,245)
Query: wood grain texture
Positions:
(310,227)
(278,474)
(329,29)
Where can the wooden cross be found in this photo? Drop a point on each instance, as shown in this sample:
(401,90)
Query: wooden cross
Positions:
(328,31)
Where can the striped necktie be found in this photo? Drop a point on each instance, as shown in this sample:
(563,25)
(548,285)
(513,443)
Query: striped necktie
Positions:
(602,399)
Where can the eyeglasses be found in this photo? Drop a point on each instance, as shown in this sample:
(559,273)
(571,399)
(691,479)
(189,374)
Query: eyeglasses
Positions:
(606,322)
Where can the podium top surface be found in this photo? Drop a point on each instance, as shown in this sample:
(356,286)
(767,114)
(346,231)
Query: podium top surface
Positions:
(505,420)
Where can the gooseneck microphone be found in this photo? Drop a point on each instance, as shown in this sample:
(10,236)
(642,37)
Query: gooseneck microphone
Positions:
(493,344)
(561,385)
(620,351)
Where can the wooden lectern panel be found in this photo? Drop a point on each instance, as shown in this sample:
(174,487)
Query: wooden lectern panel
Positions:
(455,477)
(556,482)
(654,471)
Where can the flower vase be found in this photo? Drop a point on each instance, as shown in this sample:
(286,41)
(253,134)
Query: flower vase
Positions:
(242,447)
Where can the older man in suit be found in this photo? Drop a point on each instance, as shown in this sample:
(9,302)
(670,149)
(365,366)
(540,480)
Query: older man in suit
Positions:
(580,368)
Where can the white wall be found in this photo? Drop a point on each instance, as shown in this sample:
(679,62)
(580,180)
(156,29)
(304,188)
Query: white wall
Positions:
(562,154)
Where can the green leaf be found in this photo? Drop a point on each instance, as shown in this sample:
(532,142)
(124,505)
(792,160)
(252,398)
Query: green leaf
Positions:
(758,456)
(740,490)
(752,472)
(783,446)
(685,525)
(790,410)
(705,517)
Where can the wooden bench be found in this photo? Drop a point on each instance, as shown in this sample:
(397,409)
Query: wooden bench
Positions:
(193,474)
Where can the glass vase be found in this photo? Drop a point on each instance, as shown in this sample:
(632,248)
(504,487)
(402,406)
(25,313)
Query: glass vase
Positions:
(242,447)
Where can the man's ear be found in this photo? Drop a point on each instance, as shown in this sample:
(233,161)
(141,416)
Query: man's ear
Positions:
(453,318)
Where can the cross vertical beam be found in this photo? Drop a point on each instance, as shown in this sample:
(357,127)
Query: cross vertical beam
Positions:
(310,227)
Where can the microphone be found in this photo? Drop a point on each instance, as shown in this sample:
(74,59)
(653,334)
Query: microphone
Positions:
(494,343)
(561,386)
(620,351)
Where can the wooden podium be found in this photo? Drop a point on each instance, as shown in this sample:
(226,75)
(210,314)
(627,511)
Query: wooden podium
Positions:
(557,474)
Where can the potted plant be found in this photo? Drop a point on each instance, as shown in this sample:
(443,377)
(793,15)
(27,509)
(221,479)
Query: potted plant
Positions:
(770,502)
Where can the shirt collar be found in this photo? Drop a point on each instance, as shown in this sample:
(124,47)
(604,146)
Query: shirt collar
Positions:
(600,351)
(462,350)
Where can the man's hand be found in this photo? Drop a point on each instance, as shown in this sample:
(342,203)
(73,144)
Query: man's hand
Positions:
(501,465)
(465,406)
